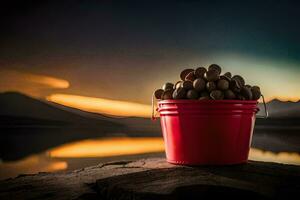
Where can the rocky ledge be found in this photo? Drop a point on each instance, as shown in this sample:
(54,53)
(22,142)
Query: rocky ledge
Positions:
(156,179)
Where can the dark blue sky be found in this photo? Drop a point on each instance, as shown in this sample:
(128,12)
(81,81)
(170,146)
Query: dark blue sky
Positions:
(123,50)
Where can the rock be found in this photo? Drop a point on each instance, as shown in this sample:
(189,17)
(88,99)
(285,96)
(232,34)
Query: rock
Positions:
(156,179)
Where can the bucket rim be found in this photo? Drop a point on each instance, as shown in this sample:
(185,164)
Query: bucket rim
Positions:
(210,101)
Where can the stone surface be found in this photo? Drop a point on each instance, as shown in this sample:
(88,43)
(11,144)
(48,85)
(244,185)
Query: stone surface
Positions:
(155,179)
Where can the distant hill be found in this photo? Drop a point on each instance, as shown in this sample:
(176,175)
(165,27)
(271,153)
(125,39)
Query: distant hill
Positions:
(19,108)
(282,109)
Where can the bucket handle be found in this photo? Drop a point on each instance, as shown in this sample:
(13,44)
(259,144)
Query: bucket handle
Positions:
(266,115)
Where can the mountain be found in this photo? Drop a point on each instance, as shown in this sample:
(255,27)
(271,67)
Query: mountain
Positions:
(281,109)
(13,104)
(17,110)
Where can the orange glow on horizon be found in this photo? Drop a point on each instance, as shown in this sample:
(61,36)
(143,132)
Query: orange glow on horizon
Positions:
(103,106)
(108,147)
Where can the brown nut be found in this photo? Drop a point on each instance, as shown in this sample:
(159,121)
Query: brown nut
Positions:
(217,95)
(167,86)
(255,92)
(234,85)
(187,85)
(199,84)
(177,85)
(211,75)
(239,79)
(204,94)
(205,98)
(240,97)
(192,94)
(246,92)
(210,86)
(179,93)
(167,94)
(248,86)
(190,76)
(227,74)
(199,72)
(215,67)
(184,73)
(225,78)
(229,94)
(158,93)
(223,84)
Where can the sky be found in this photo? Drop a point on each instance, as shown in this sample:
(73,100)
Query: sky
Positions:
(124,50)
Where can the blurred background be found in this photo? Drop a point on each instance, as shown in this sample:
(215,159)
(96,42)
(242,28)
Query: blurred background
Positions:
(76,77)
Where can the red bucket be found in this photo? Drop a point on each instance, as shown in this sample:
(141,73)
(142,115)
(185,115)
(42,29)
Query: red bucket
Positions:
(207,132)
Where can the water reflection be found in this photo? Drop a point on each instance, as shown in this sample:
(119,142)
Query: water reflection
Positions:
(31,165)
(108,147)
(90,152)
(281,157)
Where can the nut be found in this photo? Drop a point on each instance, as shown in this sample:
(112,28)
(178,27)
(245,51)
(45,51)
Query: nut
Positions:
(255,92)
(215,67)
(217,95)
(190,76)
(199,84)
(192,94)
(167,94)
(223,84)
(229,94)
(167,86)
(158,93)
(239,79)
(184,73)
(211,75)
(246,92)
(179,93)
(210,86)
(199,72)
(187,85)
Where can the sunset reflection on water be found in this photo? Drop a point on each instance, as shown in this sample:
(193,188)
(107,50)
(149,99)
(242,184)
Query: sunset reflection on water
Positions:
(108,147)
(57,158)
(126,146)
(31,165)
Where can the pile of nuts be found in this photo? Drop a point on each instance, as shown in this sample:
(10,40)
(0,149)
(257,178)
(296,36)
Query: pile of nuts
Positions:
(205,84)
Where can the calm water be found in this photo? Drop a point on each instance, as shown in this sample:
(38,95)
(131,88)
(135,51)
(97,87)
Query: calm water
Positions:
(89,152)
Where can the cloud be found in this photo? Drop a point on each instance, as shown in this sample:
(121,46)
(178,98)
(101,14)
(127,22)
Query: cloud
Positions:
(100,105)
(48,81)
(29,83)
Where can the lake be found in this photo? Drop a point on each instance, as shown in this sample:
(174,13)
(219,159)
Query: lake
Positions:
(88,152)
